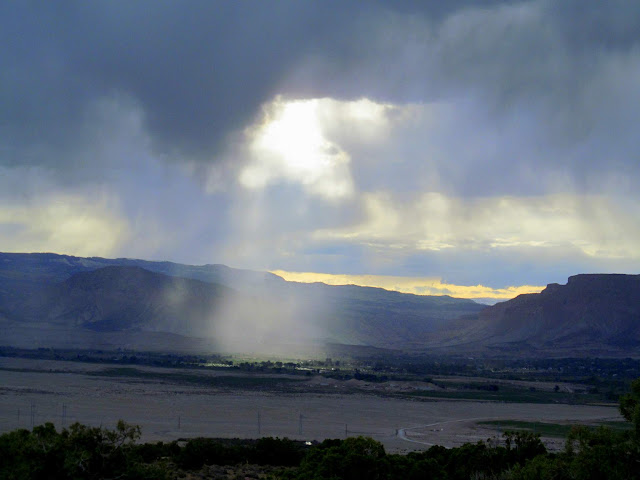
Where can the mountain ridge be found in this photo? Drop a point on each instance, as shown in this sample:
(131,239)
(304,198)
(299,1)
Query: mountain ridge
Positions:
(56,290)
(111,301)
(591,313)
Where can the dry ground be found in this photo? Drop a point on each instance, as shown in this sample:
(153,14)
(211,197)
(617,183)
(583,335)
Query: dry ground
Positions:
(63,393)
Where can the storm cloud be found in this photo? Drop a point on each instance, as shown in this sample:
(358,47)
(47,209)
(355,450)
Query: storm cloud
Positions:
(479,142)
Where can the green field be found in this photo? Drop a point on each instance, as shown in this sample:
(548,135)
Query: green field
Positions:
(242,381)
(549,429)
(512,395)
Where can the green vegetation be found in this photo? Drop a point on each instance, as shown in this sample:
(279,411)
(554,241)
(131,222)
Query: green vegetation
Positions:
(509,394)
(226,381)
(80,452)
(87,452)
(83,452)
(545,429)
(591,380)
(542,428)
(616,425)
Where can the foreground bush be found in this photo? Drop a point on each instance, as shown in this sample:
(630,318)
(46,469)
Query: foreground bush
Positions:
(84,452)
(80,452)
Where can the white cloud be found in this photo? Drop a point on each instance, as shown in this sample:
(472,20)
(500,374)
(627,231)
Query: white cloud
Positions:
(300,142)
(424,179)
(594,225)
(76,224)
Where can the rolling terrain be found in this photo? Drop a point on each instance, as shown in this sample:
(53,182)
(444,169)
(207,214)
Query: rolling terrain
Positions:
(59,300)
(49,300)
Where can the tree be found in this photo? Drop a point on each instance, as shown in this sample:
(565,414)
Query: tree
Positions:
(526,445)
(81,452)
(356,458)
(630,406)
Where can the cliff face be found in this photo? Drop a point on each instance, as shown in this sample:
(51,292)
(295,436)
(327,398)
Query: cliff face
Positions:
(591,310)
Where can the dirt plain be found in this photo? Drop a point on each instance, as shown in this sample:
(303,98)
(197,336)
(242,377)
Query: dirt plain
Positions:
(36,391)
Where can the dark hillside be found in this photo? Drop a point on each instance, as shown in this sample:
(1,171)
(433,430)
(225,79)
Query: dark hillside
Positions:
(591,313)
(39,292)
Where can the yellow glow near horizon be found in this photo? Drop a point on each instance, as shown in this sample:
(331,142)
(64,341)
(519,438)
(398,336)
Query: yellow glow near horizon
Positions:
(414,285)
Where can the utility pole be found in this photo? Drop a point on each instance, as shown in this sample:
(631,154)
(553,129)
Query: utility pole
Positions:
(259,426)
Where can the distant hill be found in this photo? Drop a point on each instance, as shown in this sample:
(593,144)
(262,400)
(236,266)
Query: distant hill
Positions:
(20,271)
(130,299)
(593,314)
(60,300)
(116,306)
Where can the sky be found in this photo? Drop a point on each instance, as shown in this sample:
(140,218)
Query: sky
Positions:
(476,148)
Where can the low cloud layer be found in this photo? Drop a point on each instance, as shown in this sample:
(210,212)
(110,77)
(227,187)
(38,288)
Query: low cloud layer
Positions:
(591,225)
(482,143)
(75,224)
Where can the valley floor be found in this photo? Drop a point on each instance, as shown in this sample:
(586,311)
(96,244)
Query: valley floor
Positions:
(36,391)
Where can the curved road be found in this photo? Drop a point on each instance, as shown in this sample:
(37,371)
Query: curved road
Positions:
(402,432)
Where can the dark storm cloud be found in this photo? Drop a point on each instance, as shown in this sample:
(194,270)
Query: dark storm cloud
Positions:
(543,93)
(200,70)
(607,25)
(196,70)
(550,87)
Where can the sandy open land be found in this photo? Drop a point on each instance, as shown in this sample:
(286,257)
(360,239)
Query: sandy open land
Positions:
(30,393)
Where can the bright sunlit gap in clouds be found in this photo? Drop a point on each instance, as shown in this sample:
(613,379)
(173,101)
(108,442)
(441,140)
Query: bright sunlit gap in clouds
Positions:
(290,144)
